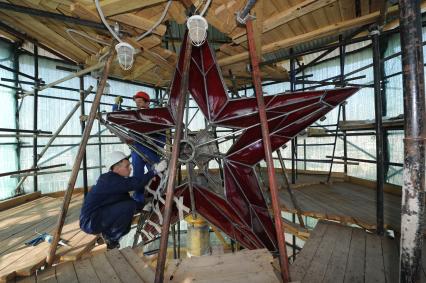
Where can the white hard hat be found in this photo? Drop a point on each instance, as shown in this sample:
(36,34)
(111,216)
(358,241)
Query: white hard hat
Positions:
(113,158)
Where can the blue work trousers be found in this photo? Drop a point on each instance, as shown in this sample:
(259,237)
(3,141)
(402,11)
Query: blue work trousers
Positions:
(139,164)
(113,221)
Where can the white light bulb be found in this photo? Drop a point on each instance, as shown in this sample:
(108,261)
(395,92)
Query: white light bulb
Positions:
(125,54)
(197,26)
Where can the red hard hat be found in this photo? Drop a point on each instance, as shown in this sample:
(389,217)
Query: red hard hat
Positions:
(142,94)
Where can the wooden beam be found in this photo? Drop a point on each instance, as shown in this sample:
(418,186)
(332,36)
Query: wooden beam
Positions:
(286,16)
(384,6)
(186,3)
(116,7)
(177,12)
(9,203)
(139,22)
(84,12)
(223,17)
(258,27)
(45,35)
(336,28)
(151,56)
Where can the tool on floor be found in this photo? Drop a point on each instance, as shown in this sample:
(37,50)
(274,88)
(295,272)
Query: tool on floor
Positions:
(44,237)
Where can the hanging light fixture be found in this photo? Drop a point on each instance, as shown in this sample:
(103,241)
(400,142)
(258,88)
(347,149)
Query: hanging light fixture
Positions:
(197,26)
(125,54)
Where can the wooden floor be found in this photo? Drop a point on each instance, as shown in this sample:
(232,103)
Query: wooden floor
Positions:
(344,202)
(336,253)
(113,266)
(248,266)
(20,224)
(129,265)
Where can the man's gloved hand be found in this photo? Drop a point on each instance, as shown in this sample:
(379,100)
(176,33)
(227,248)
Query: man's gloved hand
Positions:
(118,100)
(160,167)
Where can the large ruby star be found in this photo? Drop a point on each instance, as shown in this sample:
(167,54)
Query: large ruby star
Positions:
(241,212)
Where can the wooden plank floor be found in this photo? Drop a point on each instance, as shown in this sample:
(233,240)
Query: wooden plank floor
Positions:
(345,202)
(113,267)
(337,253)
(20,224)
(127,265)
(243,266)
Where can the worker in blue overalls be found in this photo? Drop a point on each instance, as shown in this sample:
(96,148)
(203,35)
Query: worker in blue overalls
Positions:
(108,208)
(140,165)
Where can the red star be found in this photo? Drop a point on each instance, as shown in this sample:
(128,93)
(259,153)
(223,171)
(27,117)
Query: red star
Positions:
(241,212)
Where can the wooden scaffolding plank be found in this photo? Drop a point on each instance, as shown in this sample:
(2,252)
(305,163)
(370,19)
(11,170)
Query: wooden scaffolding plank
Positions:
(7,261)
(65,273)
(37,259)
(337,265)
(244,266)
(79,244)
(122,267)
(19,212)
(249,277)
(18,201)
(28,279)
(318,266)
(45,225)
(142,268)
(298,269)
(17,263)
(48,276)
(14,226)
(85,271)
(356,258)
(391,259)
(104,270)
(374,268)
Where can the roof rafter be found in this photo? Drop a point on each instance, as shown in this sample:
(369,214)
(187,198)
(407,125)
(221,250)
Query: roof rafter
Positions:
(336,28)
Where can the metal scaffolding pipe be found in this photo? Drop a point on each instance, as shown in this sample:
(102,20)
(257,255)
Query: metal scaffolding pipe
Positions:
(162,255)
(47,172)
(30,170)
(35,114)
(268,153)
(76,166)
(380,175)
(54,136)
(66,78)
(342,57)
(413,189)
(35,132)
(83,96)
(242,16)
(289,190)
(49,15)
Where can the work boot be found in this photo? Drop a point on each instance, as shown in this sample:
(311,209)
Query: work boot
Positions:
(112,245)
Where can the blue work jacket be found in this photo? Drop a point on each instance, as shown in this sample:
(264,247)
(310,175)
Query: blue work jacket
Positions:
(112,188)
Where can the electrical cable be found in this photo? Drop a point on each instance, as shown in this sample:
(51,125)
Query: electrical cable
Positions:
(82,34)
(157,23)
(205,8)
(101,14)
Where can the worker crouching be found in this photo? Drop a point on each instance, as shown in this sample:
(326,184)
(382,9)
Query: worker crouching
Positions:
(108,208)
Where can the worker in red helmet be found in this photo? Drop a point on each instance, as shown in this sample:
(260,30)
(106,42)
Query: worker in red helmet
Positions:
(142,100)
(140,166)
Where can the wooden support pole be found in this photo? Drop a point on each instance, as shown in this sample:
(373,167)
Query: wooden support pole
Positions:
(162,255)
(268,153)
(78,159)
